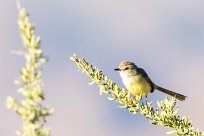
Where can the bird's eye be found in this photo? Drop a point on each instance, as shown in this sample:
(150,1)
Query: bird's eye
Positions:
(126,68)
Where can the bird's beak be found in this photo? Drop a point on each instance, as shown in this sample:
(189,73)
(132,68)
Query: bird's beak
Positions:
(117,69)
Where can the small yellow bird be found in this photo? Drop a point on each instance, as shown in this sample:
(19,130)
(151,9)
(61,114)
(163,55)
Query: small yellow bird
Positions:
(138,82)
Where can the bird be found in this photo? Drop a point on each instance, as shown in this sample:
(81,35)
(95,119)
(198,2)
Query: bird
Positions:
(137,81)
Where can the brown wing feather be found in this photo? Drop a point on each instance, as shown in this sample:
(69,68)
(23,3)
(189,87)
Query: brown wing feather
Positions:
(144,74)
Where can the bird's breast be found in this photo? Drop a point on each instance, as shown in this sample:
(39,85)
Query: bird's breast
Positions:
(136,84)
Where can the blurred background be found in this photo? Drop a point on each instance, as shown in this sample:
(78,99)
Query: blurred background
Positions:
(166,38)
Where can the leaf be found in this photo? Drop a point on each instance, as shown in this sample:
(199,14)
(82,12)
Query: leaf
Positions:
(91,83)
(111,98)
(102,89)
(171,132)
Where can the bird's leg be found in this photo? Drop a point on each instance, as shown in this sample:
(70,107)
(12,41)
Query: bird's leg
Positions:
(146,99)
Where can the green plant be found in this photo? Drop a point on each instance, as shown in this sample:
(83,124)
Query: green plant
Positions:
(30,109)
(165,114)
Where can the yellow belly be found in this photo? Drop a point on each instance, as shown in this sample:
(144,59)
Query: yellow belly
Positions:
(137,86)
(139,89)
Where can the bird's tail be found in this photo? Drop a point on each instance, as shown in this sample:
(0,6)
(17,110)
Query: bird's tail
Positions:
(171,93)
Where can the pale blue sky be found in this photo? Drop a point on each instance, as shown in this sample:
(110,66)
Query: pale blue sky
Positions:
(166,38)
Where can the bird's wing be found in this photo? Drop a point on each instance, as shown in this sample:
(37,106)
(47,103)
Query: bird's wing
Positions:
(145,75)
